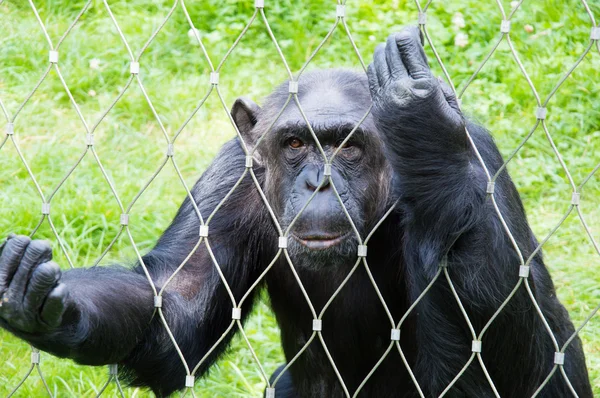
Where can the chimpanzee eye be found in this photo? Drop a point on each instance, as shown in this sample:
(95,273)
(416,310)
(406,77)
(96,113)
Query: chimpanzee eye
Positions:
(295,143)
(348,144)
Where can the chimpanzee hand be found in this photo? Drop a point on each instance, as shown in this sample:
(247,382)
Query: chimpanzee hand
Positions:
(403,89)
(31,298)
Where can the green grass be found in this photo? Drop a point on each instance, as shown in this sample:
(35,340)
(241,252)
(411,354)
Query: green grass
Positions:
(131,144)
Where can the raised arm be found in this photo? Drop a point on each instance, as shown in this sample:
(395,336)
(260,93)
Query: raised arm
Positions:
(446,211)
(103,315)
(439,178)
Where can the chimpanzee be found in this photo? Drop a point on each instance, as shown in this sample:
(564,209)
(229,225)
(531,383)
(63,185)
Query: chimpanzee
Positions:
(411,150)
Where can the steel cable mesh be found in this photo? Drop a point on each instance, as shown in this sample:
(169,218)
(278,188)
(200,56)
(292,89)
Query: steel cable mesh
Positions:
(340,22)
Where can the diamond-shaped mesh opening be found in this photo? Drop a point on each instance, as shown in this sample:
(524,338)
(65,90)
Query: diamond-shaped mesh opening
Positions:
(91,101)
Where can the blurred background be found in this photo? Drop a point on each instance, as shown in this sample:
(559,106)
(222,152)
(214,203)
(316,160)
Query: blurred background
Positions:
(548,35)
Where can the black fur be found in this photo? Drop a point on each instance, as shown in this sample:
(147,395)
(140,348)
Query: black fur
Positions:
(412,148)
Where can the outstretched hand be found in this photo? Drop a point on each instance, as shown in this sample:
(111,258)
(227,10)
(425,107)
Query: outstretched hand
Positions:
(31,298)
(403,89)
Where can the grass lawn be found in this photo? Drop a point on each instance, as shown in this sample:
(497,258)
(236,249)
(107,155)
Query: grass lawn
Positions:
(549,36)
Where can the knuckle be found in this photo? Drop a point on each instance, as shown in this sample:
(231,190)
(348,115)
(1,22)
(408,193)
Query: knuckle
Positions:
(18,242)
(40,279)
(404,36)
(409,36)
(48,272)
(52,267)
(40,246)
(426,81)
(423,86)
(21,238)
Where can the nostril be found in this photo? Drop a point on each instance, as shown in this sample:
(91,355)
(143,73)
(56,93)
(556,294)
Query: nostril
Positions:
(314,177)
(313,184)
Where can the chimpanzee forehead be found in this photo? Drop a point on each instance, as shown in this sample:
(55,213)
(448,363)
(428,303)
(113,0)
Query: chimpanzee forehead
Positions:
(327,105)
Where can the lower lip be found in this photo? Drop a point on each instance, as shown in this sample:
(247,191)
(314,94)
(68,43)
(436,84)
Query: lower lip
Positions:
(321,244)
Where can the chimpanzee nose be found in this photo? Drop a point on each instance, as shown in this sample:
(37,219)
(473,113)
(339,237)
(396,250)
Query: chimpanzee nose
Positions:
(314,178)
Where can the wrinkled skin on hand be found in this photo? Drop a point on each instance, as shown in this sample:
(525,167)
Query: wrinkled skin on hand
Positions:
(403,88)
(31,298)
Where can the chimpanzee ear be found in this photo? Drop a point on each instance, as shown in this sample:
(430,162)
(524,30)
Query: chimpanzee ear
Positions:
(244,113)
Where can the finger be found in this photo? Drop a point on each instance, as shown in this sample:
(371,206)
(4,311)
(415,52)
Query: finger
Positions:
(13,251)
(9,237)
(37,252)
(449,95)
(373,82)
(43,279)
(413,54)
(54,307)
(394,60)
(381,67)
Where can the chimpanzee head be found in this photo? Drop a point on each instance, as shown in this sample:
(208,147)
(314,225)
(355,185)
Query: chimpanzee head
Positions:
(333,102)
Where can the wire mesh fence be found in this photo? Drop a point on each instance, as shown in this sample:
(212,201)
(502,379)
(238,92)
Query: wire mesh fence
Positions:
(341,29)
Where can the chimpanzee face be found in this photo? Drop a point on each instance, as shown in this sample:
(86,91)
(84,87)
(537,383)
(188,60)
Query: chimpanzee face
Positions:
(304,199)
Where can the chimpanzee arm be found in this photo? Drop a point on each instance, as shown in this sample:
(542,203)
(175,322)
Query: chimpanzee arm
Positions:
(438,177)
(441,182)
(80,314)
(104,315)
(199,310)
(442,185)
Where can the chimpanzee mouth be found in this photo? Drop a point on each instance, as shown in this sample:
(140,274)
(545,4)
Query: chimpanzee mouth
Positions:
(321,241)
